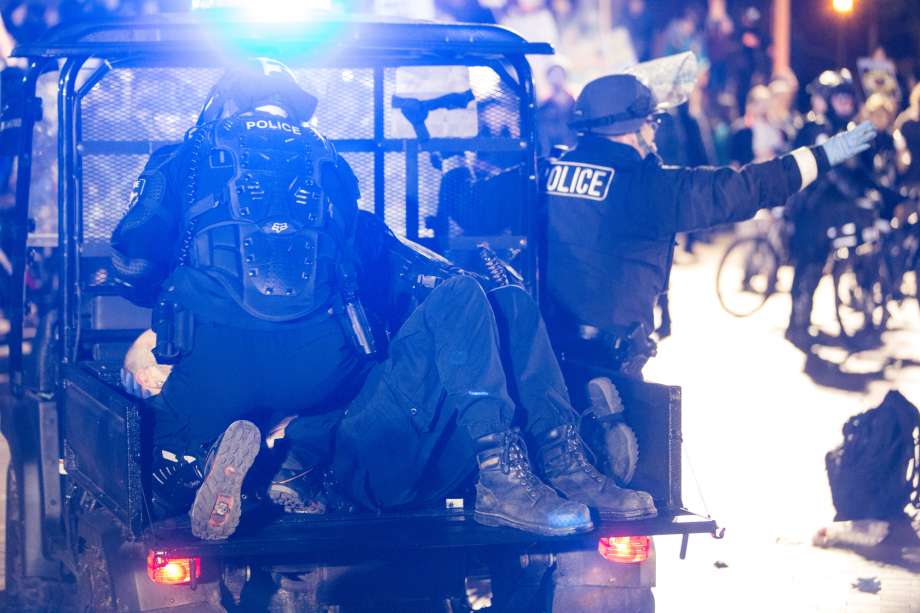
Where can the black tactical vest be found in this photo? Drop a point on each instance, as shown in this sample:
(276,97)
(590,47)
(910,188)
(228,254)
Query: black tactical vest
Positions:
(256,217)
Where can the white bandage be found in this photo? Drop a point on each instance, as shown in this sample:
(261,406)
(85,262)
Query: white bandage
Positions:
(808,165)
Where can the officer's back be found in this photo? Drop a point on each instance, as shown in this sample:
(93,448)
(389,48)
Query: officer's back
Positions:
(612,209)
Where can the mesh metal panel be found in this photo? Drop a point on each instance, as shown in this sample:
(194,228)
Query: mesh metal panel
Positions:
(363,166)
(146,104)
(346,101)
(160,104)
(107,183)
(131,110)
(394,212)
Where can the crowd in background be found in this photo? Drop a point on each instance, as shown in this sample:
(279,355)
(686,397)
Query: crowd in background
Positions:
(740,112)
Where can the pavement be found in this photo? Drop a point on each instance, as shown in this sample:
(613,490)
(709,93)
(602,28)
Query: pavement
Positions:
(755,431)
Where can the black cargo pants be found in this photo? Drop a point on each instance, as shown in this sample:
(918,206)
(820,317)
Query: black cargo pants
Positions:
(464,364)
(263,375)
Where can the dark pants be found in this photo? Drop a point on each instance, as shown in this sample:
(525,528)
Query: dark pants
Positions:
(462,366)
(805,282)
(259,375)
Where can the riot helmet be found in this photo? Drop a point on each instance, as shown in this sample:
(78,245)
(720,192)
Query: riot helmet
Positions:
(838,91)
(258,82)
(831,81)
(613,105)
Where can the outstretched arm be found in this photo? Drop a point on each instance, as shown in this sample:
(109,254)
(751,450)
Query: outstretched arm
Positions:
(689,199)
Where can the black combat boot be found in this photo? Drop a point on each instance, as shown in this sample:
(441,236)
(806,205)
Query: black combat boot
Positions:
(619,442)
(298,488)
(566,468)
(215,512)
(174,481)
(509,494)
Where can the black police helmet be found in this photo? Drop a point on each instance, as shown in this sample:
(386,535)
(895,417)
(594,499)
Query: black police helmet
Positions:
(832,82)
(613,105)
(258,82)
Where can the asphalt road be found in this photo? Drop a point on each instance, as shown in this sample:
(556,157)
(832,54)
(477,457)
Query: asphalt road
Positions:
(755,430)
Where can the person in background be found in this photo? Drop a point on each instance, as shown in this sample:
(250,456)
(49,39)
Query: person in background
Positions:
(907,135)
(638,21)
(533,20)
(555,113)
(756,139)
(782,114)
(684,33)
(720,46)
(880,161)
(752,65)
(829,202)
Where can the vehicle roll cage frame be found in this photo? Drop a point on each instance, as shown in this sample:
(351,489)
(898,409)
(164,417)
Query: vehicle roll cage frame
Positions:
(171,40)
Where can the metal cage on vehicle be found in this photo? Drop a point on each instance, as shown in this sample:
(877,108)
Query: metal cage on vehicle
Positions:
(410,105)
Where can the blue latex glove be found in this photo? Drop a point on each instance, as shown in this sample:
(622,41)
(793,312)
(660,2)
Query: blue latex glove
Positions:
(132,386)
(842,146)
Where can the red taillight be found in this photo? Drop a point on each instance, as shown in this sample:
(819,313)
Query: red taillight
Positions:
(165,570)
(625,549)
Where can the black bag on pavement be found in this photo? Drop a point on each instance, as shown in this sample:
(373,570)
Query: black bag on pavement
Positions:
(874,474)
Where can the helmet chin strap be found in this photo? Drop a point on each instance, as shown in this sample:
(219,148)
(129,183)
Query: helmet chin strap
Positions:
(646,148)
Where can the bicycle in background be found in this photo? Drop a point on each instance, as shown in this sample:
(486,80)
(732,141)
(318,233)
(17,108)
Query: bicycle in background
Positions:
(749,271)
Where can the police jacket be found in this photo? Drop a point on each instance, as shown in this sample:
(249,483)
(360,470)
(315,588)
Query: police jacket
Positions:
(612,216)
(245,223)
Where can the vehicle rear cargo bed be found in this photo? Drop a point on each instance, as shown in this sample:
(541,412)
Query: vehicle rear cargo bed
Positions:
(325,535)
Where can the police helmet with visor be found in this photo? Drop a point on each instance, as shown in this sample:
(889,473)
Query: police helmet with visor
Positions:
(258,82)
(613,105)
(832,82)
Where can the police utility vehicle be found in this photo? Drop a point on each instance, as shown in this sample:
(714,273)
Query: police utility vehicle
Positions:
(94,101)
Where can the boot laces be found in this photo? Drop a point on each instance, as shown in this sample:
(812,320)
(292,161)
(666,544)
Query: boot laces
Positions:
(577,449)
(180,470)
(514,461)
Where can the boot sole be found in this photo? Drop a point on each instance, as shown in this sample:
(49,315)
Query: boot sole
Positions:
(619,515)
(622,452)
(501,521)
(215,513)
(603,395)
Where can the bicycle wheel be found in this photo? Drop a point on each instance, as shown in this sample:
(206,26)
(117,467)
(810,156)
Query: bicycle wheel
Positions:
(861,293)
(747,275)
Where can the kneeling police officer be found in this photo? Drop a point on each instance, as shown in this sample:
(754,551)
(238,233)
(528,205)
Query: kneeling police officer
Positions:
(248,241)
(613,210)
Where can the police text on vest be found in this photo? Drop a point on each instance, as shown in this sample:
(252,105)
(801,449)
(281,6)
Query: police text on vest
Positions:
(269,124)
(578,180)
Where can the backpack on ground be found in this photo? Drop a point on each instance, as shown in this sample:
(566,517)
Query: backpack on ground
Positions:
(874,474)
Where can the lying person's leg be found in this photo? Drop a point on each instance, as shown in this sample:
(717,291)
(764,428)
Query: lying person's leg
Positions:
(548,416)
(436,405)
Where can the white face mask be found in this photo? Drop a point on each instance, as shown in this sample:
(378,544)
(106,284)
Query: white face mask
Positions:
(646,137)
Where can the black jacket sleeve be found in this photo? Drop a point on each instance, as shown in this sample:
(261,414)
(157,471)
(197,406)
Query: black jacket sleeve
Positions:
(686,199)
(341,185)
(145,241)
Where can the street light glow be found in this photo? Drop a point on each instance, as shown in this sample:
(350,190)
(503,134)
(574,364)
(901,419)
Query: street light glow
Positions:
(843,6)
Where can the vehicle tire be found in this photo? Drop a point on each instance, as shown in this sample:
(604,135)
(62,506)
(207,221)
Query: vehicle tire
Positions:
(747,275)
(861,295)
(27,594)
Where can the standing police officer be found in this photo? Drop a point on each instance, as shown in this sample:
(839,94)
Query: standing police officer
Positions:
(831,202)
(613,209)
